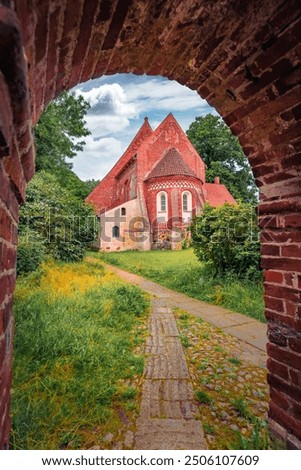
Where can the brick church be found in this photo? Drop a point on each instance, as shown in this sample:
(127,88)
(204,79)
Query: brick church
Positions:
(151,194)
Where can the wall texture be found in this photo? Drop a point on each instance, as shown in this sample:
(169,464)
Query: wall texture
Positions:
(243,57)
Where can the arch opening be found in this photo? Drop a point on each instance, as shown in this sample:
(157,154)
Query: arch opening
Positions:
(237,66)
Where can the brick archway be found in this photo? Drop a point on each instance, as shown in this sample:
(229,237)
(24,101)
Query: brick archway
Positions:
(243,57)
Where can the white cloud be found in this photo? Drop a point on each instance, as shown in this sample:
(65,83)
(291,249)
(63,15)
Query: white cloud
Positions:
(97,158)
(168,95)
(109,99)
(110,111)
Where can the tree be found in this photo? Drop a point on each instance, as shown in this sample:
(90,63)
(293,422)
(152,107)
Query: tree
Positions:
(55,220)
(59,130)
(226,238)
(223,155)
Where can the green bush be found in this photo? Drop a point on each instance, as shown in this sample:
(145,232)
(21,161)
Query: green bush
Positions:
(68,251)
(30,254)
(64,224)
(226,239)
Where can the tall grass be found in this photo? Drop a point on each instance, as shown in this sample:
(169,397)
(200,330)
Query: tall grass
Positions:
(73,353)
(181,271)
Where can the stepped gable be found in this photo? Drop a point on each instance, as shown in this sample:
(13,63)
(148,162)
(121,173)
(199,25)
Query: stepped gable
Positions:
(171,164)
(217,194)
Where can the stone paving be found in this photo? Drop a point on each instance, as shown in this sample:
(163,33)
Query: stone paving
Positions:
(169,416)
(251,332)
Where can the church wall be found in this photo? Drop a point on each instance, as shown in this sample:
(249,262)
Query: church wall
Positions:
(173,186)
(131,236)
(102,198)
(126,186)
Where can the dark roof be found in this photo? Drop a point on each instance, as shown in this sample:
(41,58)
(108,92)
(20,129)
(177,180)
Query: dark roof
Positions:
(171,164)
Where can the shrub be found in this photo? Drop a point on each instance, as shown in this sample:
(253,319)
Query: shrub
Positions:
(69,251)
(65,224)
(226,238)
(30,254)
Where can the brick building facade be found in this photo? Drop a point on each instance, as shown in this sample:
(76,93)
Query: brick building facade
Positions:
(150,196)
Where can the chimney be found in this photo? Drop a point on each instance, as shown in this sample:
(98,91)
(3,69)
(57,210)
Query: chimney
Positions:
(216,180)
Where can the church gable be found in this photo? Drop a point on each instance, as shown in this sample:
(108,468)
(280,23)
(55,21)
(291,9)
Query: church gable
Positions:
(168,135)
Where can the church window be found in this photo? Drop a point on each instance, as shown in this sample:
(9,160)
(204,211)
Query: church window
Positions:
(123,211)
(186,201)
(163,202)
(115,231)
(162,205)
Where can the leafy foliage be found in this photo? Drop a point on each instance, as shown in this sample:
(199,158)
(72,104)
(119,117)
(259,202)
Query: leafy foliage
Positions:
(31,253)
(59,130)
(226,238)
(55,218)
(223,155)
(55,221)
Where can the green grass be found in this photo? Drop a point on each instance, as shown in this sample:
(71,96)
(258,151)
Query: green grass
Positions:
(241,406)
(74,359)
(203,397)
(235,361)
(181,271)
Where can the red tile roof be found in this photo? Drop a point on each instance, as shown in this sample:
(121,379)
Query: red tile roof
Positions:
(217,194)
(171,164)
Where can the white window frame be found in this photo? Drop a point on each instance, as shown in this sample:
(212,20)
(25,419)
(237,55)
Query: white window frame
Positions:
(186,213)
(162,213)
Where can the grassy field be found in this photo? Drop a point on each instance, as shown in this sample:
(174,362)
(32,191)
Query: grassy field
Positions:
(78,359)
(181,271)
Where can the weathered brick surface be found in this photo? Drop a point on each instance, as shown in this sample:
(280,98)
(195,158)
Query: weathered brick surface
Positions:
(244,57)
(167,405)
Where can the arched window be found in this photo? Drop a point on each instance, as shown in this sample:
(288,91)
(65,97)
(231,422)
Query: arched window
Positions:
(162,202)
(126,190)
(162,205)
(123,211)
(186,206)
(115,231)
(186,201)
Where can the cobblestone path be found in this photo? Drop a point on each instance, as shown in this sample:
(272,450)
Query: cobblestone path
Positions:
(250,332)
(169,416)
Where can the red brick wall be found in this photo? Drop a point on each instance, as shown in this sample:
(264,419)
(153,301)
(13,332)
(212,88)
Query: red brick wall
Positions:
(174,196)
(125,187)
(243,57)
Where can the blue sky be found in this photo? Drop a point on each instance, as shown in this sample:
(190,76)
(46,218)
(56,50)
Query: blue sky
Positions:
(119,104)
